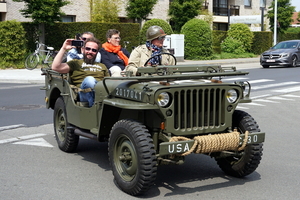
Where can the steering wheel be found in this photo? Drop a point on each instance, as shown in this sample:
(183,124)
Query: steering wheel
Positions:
(160,59)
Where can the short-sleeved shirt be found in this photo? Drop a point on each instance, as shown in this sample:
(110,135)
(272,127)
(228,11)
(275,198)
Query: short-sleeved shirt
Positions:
(79,70)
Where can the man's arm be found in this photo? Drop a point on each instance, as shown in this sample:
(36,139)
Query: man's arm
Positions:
(57,64)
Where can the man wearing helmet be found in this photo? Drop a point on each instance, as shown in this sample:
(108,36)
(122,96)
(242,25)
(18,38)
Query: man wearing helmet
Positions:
(154,46)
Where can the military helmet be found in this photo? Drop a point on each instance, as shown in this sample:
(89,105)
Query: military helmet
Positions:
(154,32)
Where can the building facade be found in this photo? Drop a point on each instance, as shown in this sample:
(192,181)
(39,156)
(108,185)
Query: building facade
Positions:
(222,11)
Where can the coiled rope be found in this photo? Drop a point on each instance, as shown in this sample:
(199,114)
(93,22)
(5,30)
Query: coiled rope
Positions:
(214,143)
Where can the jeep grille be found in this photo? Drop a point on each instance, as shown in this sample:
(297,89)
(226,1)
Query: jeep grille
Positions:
(199,109)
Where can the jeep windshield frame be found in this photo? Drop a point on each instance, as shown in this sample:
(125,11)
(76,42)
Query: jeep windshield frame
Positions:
(175,72)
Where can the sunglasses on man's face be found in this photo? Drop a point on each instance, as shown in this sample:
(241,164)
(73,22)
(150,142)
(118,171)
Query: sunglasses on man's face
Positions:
(84,38)
(91,49)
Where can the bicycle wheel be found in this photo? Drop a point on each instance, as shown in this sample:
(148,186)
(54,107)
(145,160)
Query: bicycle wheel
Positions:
(32,61)
(48,60)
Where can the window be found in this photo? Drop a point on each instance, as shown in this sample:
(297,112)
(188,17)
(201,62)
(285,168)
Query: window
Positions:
(68,18)
(247,3)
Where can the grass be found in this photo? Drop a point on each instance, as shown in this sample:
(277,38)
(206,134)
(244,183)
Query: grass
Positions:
(231,55)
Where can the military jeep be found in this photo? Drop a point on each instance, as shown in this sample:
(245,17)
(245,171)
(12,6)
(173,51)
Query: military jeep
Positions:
(158,118)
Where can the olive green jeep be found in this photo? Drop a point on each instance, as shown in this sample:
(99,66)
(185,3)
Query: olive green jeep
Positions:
(158,118)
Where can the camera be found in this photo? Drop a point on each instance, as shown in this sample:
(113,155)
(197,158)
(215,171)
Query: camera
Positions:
(77,43)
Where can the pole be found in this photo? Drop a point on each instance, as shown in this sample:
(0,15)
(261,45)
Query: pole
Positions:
(262,18)
(275,23)
(228,17)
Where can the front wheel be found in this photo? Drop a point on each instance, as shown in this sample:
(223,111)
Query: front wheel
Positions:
(294,61)
(132,157)
(66,139)
(32,61)
(246,161)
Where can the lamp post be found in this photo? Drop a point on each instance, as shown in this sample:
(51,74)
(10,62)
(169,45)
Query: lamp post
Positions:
(275,23)
(262,7)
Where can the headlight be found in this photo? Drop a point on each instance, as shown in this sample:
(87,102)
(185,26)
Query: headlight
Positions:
(232,95)
(163,99)
(284,55)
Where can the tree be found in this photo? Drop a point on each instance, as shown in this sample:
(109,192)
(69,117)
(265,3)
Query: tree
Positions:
(239,39)
(284,15)
(197,40)
(43,12)
(181,11)
(139,9)
(104,10)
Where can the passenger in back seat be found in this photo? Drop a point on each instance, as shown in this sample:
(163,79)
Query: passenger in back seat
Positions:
(84,73)
(113,55)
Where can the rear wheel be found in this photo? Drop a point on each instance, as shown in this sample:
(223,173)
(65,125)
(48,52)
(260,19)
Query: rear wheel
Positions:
(246,161)
(32,61)
(66,139)
(132,157)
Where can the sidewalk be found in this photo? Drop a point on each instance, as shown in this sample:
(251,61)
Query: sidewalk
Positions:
(34,76)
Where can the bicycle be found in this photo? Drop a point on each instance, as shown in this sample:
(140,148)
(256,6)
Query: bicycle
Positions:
(33,59)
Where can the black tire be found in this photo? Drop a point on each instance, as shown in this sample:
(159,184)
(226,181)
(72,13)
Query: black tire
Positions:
(136,173)
(249,159)
(160,55)
(32,61)
(294,61)
(66,139)
(265,66)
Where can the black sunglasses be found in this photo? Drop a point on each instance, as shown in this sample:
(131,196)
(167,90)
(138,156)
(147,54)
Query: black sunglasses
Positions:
(84,39)
(90,49)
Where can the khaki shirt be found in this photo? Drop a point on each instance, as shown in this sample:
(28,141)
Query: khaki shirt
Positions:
(141,54)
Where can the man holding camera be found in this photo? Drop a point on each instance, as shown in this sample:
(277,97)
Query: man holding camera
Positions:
(75,51)
(84,73)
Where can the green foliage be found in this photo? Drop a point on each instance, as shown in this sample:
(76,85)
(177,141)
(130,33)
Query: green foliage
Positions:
(12,46)
(139,9)
(181,11)
(197,40)
(262,41)
(288,36)
(104,10)
(231,45)
(159,22)
(238,34)
(225,55)
(293,29)
(57,33)
(284,15)
(43,11)
(217,38)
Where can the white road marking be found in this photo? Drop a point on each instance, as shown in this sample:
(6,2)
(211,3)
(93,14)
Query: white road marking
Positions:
(266,100)
(11,127)
(260,81)
(280,98)
(255,104)
(286,90)
(35,142)
(274,85)
(291,95)
(21,138)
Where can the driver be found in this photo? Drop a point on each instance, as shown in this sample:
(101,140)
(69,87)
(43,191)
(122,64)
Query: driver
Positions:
(154,46)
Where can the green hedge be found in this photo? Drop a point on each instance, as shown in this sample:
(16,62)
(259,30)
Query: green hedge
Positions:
(12,45)
(262,41)
(217,38)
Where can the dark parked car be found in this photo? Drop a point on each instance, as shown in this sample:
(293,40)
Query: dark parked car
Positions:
(285,53)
